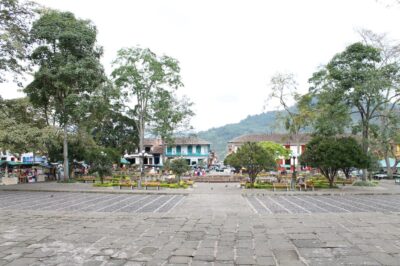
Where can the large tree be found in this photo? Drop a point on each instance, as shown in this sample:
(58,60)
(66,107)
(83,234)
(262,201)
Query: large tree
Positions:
(284,89)
(68,63)
(296,119)
(331,154)
(254,158)
(386,131)
(15,21)
(357,80)
(142,74)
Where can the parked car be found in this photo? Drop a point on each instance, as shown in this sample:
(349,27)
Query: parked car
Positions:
(380,176)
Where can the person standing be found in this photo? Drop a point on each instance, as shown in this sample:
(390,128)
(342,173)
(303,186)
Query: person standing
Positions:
(35,174)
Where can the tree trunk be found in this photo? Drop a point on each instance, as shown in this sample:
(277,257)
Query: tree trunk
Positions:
(252,177)
(388,167)
(331,180)
(65,154)
(33,165)
(347,172)
(365,147)
(141,150)
(163,156)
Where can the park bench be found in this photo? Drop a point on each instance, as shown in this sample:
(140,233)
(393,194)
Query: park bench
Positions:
(126,183)
(310,184)
(86,179)
(280,185)
(306,186)
(151,184)
(108,178)
(243,184)
(190,183)
(347,182)
(300,186)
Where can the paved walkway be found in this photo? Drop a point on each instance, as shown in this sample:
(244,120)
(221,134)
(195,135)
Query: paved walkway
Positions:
(213,225)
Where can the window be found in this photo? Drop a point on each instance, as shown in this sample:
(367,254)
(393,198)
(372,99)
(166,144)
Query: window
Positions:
(147,149)
(198,149)
(169,150)
(156,160)
(178,149)
(190,149)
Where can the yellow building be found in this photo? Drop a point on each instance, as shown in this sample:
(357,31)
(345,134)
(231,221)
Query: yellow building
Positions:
(397,151)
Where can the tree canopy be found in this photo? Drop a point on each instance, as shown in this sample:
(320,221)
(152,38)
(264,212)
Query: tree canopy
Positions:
(179,166)
(15,22)
(254,158)
(276,149)
(330,154)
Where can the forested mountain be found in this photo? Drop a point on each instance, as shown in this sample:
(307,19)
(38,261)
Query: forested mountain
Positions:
(261,123)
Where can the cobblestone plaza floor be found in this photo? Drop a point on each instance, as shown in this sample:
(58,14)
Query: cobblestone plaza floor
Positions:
(213,225)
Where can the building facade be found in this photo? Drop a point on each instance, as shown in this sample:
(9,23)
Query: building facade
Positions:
(296,146)
(196,151)
(152,154)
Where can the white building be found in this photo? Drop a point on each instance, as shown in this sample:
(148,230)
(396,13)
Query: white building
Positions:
(284,139)
(194,150)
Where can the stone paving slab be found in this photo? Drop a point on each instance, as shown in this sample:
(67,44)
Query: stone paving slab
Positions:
(88,202)
(66,238)
(214,227)
(324,204)
(88,188)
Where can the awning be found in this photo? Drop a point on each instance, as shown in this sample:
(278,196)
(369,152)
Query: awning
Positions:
(124,161)
(13,163)
(382,163)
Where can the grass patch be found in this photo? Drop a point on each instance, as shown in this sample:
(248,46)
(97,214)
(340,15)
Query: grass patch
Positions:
(105,184)
(259,186)
(361,183)
(323,185)
(68,181)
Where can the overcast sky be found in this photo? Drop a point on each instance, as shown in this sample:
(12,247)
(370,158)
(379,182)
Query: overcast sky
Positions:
(228,50)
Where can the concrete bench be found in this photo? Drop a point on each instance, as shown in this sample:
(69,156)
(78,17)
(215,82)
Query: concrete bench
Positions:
(397,181)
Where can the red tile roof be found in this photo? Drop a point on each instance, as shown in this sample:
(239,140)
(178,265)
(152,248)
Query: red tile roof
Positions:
(278,138)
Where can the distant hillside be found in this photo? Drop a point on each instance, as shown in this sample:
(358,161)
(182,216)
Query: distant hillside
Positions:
(219,137)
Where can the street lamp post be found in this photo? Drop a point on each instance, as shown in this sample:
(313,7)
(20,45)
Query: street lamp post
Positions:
(294,173)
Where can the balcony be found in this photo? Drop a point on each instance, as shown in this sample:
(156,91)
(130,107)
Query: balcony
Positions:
(194,154)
